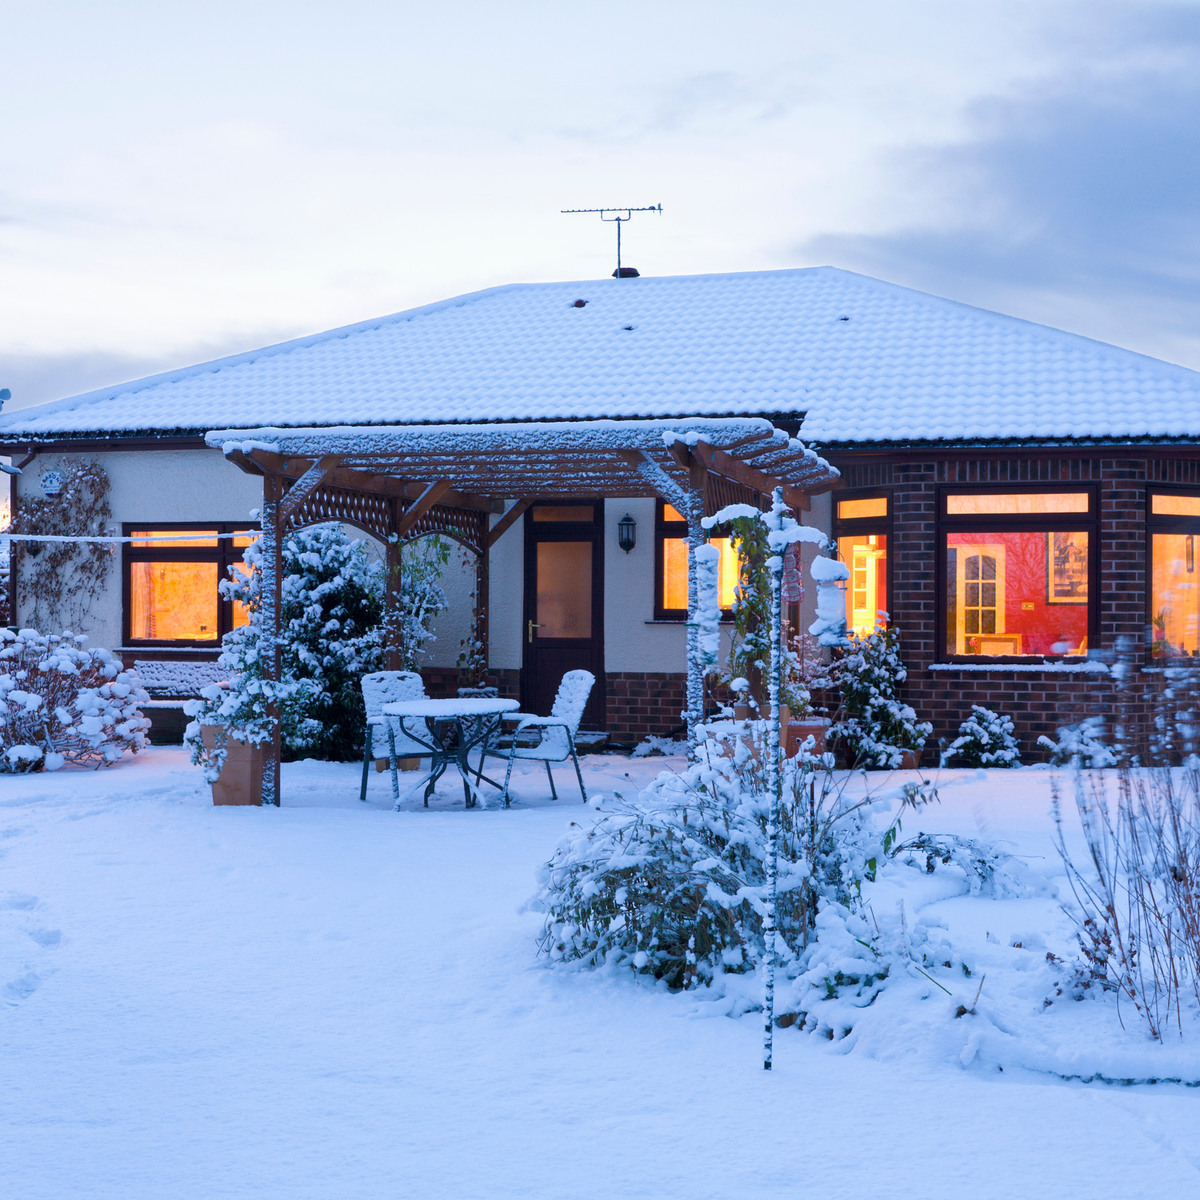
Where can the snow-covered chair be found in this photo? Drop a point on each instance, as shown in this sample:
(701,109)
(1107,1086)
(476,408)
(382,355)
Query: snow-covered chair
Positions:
(386,687)
(556,732)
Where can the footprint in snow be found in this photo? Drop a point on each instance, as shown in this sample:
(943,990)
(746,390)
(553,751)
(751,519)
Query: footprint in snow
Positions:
(46,938)
(19,900)
(22,988)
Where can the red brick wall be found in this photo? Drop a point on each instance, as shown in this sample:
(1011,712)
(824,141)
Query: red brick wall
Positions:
(644,703)
(1037,702)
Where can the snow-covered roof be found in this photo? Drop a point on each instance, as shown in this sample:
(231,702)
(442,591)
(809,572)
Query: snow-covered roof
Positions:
(866,361)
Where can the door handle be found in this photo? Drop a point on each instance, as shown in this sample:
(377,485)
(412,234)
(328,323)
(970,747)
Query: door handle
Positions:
(532,626)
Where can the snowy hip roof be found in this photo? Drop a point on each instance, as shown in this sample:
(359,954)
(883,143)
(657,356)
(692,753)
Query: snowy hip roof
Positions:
(862,360)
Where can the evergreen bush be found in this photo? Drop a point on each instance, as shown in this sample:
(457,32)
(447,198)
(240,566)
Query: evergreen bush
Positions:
(875,727)
(985,739)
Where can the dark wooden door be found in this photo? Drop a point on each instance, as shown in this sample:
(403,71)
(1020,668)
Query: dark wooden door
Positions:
(563,626)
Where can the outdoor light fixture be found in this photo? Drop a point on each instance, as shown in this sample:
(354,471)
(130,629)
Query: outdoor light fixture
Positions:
(627,533)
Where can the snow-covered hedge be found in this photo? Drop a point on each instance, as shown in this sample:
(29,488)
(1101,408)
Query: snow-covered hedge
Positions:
(985,739)
(61,703)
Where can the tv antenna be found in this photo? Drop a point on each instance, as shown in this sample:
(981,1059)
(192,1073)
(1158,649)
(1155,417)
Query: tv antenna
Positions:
(619,273)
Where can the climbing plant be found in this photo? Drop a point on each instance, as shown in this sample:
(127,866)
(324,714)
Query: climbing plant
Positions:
(58,582)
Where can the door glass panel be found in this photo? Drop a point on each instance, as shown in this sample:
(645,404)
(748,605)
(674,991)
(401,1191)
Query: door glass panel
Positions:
(564,589)
(564,512)
(173,601)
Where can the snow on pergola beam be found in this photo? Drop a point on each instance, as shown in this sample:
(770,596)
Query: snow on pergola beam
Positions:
(483,463)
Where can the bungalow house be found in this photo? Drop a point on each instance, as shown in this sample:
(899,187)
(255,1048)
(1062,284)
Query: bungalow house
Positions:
(1015,499)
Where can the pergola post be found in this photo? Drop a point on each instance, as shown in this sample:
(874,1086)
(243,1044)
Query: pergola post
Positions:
(393,591)
(271,551)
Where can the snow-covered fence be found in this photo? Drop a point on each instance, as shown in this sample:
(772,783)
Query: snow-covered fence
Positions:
(61,703)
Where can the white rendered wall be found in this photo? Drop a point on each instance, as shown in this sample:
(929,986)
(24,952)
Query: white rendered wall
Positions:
(506,597)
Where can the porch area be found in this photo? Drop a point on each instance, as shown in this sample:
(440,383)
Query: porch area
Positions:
(473,482)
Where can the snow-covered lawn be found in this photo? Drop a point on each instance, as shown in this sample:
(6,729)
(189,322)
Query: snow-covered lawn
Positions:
(336,1000)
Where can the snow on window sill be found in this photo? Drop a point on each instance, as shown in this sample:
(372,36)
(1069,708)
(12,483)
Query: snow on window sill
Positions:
(1091,667)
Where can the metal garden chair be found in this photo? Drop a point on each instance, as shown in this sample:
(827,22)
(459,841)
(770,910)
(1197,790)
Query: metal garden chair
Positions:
(384,687)
(556,732)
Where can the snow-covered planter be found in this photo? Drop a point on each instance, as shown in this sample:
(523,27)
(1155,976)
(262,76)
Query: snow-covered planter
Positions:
(876,728)
(62,703)
(673,884)
(985,739)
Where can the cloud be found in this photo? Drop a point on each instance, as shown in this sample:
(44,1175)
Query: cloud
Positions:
(1078,200)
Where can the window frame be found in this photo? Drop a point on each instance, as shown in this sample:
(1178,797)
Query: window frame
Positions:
(1163,523)
(224,554)
(865,526)
(1015,523)
(664,529)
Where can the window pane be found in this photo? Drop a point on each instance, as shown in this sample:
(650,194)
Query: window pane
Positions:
(670,513)
(241,614)
(1175,596)
(675,572)
(173,601)
(564,589)
(1017,502)
(877,506)
(181,539)
(1017,593)
(1166,504)
(866,589)
(564,512)
(244,538)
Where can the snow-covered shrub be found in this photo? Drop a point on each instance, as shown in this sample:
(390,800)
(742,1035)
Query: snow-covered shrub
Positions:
(331,634)
(1080,745)
(61,703)
(985,739)
(673,883)
(1137,895)
(422,562)
(875,727)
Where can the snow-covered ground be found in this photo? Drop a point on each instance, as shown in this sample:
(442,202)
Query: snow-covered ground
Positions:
(335,1000)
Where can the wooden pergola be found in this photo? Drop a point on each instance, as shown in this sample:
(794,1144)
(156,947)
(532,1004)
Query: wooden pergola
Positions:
(403,482)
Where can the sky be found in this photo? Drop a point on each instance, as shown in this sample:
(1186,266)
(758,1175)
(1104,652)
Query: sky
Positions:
(182,181)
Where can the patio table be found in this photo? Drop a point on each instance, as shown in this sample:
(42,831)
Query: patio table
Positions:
(429,722)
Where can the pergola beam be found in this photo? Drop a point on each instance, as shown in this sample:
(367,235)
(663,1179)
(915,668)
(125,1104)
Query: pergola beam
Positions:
(507,521)
(428,498)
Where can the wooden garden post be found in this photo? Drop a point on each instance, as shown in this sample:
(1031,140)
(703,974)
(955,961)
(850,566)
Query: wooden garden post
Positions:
(272,607)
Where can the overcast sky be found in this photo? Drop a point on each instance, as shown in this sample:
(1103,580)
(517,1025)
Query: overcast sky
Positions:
(182,180)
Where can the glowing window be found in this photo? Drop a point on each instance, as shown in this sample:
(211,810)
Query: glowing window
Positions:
(172,578)
(866,589)
(1017,592)
(675,573)
(1016,503)
(1171,504)
(874,506)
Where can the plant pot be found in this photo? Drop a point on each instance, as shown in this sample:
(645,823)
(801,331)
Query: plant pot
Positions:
(741,712)
(798,730)
(240,781)
(910,760)
(402,764)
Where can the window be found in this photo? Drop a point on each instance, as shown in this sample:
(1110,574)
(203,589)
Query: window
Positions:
(171,594)
(1174,527)
(671,590)
(861,528)
(1018,570)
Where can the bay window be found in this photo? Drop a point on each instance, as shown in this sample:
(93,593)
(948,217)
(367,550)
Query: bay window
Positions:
(671,576)
(1174,526)
(170,586)
(862,528)
(1020,571)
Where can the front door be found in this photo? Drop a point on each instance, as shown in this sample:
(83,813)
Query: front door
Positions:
(564,603)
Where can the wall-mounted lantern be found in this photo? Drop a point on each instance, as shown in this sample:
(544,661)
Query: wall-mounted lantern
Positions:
(627,533)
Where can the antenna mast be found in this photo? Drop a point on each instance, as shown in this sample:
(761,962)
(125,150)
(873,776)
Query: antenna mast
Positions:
(620,220)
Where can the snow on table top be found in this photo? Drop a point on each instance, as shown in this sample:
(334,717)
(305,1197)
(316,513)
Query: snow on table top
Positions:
(461,706)
(866,360)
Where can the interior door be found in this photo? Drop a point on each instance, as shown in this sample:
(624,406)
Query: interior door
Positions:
(564,603)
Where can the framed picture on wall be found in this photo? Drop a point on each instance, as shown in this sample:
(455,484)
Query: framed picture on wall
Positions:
(1067,567)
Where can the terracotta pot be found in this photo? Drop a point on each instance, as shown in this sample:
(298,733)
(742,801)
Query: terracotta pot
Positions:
(741,712)
(910,761)
(240,781)
(402,764)
(797,731)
